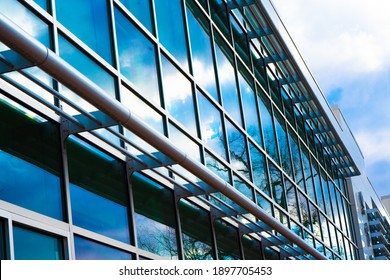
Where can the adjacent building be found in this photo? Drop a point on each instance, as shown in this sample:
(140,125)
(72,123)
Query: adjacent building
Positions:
(181,129)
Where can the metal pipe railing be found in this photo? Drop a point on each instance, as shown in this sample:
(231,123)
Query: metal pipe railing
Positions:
(30,48)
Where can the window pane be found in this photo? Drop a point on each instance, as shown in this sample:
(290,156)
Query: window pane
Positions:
(98,191)
(219,14)
(184,143)
(271,254)
(227,241)
(42,3)
(30,161)
(285,157)
(252,248)
(31,245)
(142,10)
(237,150)
(211,126)
(29,22)
(3,248)
(268,128)
(202,58)
(277,186)
(87,66)
(137,56)
(195,225)
(170,15)
(217,167)
(227,81)
(86,249)
(258,169)
(88,20)
(178,96)
(154,217)
(251,114)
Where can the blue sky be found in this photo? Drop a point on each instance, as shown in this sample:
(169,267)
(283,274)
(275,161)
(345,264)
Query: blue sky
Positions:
(346,44)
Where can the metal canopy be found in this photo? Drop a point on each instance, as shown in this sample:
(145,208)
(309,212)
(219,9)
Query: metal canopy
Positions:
(237,208)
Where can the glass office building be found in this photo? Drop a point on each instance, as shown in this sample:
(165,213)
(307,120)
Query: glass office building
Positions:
(180,129)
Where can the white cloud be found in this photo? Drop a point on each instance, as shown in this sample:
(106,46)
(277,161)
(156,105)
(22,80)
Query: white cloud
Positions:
(374,145)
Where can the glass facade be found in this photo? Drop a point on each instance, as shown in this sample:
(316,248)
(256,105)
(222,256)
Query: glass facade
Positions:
(201,73)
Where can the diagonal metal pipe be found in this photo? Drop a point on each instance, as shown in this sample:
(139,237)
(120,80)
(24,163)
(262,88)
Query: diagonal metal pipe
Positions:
(34,51)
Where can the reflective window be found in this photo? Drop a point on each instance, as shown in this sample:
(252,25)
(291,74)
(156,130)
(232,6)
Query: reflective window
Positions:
(219,14)
(305,214)
(242,187)
(268,128)
(251,114)
(227,241)
(237,150)
(154,217)
(137,56)
(202,57)
(98,191)
(27,20)
(196,228)
(296,158)
(88,67)
(86,249)
(169,15)
(30,161)
(259,172)
(184,143)
(334,204)
(217,167)
(317,185)
(264,203)
(33,245)
(240,40)
(328,205)
(95,28)
(211,126)
(271,254)
(308,175)
(227,81)
(285,158)
(277,189)
(178,96)
(142,10)
(252,248)
(292,202)
(42,3)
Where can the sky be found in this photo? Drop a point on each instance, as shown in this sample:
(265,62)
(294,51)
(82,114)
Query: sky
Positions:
(346,44)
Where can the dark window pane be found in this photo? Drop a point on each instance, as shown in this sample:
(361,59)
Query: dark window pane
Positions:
(211,126)
(285,158)
(202,58)
(271,254)
(98,191)
(170,15)
(142,9)
(3,248)
(88,20)
(86,249)
(268,128)
(30,161)
(292,202)
(237,150)
(195,225)
(219,15)
(252,248)
(178,95)
(31,245)
(303,206)
(137,56)
(227,241)
(277,189)
(155,217)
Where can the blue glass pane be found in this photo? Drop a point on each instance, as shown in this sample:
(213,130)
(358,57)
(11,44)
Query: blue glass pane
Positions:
(268,129)
(87,66)
(277,189)
(227,83)
(285,158)
(211,126)
(42,3)
(98,191)
(137,56)
(88,20)
(184,143)
(30,23)
(237,150)
(202,58)
(251,114)
(259,169)
(242,187)
(86,249)
(142,10)
(30,245)
(217,167)
(30,162)
(178,96)
(170,15)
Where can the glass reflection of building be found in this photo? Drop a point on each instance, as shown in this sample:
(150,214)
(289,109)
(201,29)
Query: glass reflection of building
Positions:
(213,76)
